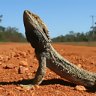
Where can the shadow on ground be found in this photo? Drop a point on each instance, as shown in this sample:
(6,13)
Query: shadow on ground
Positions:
(47,82)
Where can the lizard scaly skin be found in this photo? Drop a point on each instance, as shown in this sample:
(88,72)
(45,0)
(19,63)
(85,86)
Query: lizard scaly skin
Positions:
(37,34)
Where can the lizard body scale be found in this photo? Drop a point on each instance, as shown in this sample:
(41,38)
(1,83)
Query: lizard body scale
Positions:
(37,34)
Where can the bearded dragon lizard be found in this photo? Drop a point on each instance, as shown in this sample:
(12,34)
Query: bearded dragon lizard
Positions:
(37,34)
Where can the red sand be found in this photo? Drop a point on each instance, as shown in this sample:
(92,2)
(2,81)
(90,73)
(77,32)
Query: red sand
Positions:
(14,58)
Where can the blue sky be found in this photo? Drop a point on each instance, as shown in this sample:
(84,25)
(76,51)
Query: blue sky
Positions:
(61,16)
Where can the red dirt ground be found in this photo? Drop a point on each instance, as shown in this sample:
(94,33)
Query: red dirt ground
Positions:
(18,62)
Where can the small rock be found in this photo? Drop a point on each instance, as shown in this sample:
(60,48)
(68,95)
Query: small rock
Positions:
(37,86)
(24,63)
(62,50)
(1,88)
(13,54)
(16,55)
(79,65)
(6,58)
(1,58)
(29,51)
(80,88)
(10,93)
(19,88)
(22,70)
(93,62)
(9,66)
(23,54)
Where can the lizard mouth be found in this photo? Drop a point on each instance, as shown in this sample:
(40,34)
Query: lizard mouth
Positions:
(29,19)
(30,28)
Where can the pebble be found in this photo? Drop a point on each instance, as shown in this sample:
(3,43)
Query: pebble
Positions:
(6,58)
(22,70)
(23,54)
(23,63)
(80,88)
(9,66)
(1,58)
(19,88)
(10,93)
(13,54)
(37,86)
(79,65)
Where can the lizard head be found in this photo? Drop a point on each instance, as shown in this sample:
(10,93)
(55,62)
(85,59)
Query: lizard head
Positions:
(35,30)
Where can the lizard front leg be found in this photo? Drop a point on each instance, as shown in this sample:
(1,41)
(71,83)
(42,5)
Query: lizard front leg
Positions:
(39,74)
(41,70)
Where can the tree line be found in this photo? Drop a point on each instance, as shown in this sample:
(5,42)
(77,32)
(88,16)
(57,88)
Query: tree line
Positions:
(10,34)
(77,36)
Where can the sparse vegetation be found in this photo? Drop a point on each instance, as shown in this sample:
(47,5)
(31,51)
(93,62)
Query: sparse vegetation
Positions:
(77,36)
(10,34)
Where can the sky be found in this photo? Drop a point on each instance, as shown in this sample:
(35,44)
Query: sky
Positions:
(60,16)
